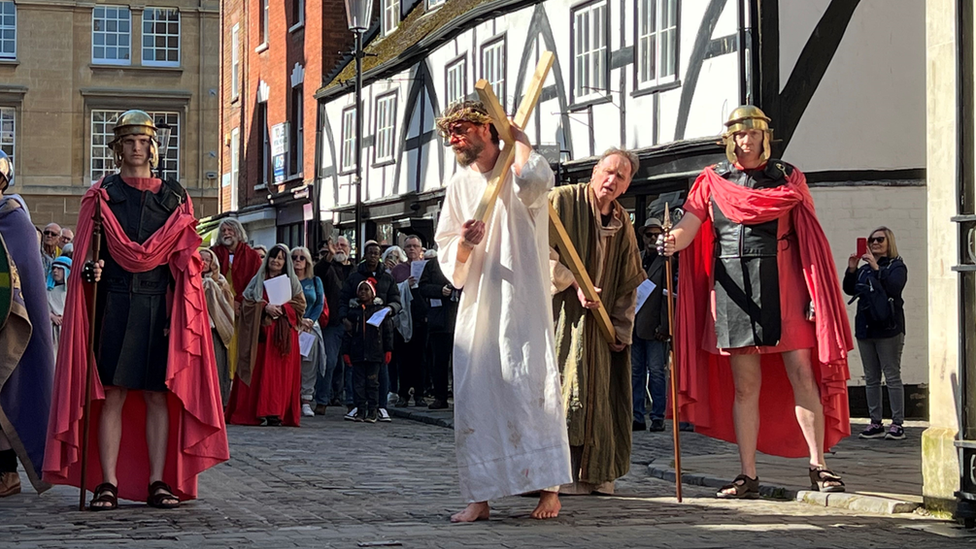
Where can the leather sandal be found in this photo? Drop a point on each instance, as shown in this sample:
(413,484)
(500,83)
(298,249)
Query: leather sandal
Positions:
(161,496)
(743,486)
(107,495)
(823,479)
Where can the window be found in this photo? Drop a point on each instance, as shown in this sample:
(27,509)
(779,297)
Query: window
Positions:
(493,68)
(347,161)
(161,37)
(235,165)
(590,62)
(264,152)
(235,61)
(657,52)
(391,15)
(265,22)
(297,13)
(111,32)
(296,154)
(385,127)
(431,4)
(456,89)
(102,158)
(8,30)
(8,134)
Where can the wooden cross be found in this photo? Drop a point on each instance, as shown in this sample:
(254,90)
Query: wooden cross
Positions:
(557,234)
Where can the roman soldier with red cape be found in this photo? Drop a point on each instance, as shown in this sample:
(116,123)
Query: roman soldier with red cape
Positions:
(757,278)
(152,342)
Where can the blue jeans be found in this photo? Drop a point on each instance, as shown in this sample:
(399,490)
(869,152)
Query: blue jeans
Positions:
(384,386)
(648,360)
(332,337)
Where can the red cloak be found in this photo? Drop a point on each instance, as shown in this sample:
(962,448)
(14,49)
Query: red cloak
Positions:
(706,389)
(197,436)
(246,265)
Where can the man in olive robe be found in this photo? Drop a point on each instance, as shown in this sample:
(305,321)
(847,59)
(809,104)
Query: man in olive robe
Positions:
(596,374)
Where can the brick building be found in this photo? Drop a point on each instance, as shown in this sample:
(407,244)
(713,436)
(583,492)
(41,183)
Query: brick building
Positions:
(68,68)
(275,54)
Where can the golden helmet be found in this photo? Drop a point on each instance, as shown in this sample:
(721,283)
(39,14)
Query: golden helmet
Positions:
(747,117)
(134,122)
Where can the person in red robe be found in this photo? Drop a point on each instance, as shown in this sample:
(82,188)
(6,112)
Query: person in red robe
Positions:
(267,389)
(762,334)
(236,257)
(156,400)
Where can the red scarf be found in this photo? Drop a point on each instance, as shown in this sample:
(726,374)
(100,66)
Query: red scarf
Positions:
(247,262)
(197,436)
(705,378)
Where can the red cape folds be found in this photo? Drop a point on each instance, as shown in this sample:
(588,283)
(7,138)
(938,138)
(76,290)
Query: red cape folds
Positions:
(247,262)
(197,436)
(705,379)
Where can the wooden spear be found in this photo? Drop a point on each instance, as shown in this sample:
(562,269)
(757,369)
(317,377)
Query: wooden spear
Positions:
(96,248)
(675,421)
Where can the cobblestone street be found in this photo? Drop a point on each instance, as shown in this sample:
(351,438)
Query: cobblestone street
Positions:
(333,483)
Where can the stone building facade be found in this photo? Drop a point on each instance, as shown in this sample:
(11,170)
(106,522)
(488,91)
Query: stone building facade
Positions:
(68,68)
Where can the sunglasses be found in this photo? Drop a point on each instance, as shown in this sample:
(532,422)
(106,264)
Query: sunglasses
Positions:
(876,239)
(51,233)
(298,257)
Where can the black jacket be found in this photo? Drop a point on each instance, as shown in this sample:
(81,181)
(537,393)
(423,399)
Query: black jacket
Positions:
(892,275)
(440,320)
(364,342)
(386,288)
(652,319)
(329,273)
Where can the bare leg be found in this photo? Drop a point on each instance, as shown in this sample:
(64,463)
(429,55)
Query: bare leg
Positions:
(806,394)
(478,510)
(110,432)
(157,435)
(548,507)
(747,376)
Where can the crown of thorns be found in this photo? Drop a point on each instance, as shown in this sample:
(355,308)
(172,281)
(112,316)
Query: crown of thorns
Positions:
(464,111)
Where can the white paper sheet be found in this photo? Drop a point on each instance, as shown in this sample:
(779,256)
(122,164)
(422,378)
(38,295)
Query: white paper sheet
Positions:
(436,303)
(417,269)
(279,290)
(378,317)
(644,291)
(305,342)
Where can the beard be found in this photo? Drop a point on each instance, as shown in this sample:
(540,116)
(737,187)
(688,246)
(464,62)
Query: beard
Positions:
(466,155)
(340,257)
(228,241)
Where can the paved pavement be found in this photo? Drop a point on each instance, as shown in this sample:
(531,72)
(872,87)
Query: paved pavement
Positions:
(340,484)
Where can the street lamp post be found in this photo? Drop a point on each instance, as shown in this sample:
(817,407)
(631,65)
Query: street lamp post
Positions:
(358,13)
(163,133)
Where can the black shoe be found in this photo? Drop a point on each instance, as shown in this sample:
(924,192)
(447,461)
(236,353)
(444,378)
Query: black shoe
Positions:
(401,403)
(360,415)
(370,417)
(437,404)
(335,402)
(274,421)
(686,427)
(419,402)
(657,425)
(639,426)
(874,430)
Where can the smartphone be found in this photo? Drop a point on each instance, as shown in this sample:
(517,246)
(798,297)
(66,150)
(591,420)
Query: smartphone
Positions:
(862,246)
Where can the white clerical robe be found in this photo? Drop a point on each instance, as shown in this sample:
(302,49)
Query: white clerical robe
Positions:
(509,424)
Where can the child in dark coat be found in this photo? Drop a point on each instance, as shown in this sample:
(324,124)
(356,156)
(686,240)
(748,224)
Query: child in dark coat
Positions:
(366,347)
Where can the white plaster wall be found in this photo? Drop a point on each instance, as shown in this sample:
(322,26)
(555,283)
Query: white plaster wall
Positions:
(847,213)
(867,110)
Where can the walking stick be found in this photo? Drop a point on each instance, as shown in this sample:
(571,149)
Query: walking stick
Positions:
(96,246)
(675,427)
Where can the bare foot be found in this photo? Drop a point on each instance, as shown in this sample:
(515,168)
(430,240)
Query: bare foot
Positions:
(548,507)
(473,512)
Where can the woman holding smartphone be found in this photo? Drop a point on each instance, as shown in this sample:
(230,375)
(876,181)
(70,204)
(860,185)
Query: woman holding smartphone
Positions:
(879,326)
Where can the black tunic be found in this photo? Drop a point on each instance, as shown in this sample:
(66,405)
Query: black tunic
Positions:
(131,311)
(747,300)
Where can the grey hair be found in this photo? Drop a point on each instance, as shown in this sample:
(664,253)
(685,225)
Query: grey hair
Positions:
(629,155)
(238,228)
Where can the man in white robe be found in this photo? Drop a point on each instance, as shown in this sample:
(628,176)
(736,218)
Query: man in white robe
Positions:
(509,423)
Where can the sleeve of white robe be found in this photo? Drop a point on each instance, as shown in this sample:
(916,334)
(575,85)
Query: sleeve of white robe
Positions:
(533,183)
(448,238)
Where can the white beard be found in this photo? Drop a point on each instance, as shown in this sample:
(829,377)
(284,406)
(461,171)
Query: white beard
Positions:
(340,257)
